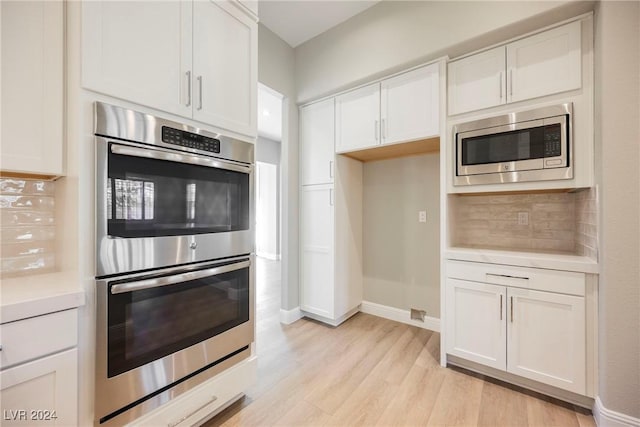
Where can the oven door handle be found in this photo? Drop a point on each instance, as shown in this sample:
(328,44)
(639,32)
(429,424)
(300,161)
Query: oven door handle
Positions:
(148,153)
(178,278)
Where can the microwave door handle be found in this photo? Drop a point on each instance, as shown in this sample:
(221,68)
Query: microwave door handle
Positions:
(178,278)
(148,153)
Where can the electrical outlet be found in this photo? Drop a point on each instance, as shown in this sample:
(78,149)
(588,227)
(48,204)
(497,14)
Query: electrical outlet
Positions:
(422,216)
(523,218)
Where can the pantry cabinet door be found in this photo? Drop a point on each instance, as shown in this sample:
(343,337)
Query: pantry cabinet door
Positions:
(317,250)
(358,119)
(32,99)
(139,51)
(317,151)
(225,58)
(545,63)
(546,338)
(477,81)
(410,104)
(475,324)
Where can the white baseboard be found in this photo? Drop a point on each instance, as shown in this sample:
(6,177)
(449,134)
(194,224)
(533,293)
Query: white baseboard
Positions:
(289,316)
(607,418)
(399,315)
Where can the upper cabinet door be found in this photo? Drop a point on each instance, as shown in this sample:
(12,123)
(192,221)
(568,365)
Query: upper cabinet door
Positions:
(225,56)
(546,63)
(32,87)
(409,105)
(317,132)
(358,119)
(139,51)
(477,81)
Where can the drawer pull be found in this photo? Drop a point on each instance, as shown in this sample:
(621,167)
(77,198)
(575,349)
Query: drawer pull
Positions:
(506,276)
(175,423)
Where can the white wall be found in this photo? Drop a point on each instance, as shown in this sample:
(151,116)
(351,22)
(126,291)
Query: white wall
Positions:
(268,151)
(617,53)
(395,34)
(276,70)
(401,256)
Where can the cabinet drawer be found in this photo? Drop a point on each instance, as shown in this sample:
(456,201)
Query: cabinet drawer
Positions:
(566,282)
(28,339)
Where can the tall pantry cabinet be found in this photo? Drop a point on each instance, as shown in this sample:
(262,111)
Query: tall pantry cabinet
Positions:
(330,220)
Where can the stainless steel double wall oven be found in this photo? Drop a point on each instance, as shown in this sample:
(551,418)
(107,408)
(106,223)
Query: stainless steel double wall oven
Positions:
(174,259)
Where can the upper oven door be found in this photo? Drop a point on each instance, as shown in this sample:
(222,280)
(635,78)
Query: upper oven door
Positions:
(157,207)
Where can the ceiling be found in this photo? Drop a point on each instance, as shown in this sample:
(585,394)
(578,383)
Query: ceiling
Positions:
(269,113)
(296,21)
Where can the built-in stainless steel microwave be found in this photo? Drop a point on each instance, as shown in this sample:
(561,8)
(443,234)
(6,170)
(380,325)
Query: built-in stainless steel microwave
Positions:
(533,145)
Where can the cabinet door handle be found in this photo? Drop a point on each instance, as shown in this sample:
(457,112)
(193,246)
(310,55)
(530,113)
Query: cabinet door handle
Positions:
(511,309)
(375,128)
(511,82)
(500,84)
(331,197)
(199,92)
(188,74)
(330,168)
(384,130)
(500,306)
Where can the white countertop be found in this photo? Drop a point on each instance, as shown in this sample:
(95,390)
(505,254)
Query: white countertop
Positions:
(29,296)
(550,261)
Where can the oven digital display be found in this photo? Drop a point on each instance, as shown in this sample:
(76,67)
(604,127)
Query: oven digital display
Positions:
(190,140)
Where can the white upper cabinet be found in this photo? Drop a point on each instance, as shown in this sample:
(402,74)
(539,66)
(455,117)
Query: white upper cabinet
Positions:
(546,63)
(225,52)
(32,99)
(196,59)
(410,105)
(317,123)
(477,81)
(358,119)
(140,52)
(535,66)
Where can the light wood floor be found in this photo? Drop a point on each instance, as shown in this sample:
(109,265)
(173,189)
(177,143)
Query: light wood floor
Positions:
(371,371)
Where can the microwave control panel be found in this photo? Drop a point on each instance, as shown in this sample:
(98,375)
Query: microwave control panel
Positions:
(552,141)
(190,140)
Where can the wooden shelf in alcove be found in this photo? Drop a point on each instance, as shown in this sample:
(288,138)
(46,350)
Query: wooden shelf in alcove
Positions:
(383,152)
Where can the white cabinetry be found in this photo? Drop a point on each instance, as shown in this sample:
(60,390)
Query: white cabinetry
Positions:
(32,101)
(358,119)
(39,376)
(398,109)
(317,132)
(535,66)
(528,322)
(196,59)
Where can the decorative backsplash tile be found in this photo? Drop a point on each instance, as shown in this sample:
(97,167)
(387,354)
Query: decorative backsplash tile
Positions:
(27,227)
(546,222)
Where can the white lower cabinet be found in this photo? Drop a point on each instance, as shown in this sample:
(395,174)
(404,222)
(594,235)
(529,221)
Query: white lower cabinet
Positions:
(536,334)
(39,376)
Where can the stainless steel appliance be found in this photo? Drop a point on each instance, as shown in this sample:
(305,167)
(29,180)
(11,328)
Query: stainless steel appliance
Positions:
(175,265)
(167,193)
(535,145)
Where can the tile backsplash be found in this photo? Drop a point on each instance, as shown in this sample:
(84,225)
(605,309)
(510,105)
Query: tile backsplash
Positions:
(27,227)
(541,222)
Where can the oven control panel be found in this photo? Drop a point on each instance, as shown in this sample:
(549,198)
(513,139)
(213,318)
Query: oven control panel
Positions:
(190,140)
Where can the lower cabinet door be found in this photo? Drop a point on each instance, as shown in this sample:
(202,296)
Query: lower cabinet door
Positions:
(317,250)
(546,338)
(43,392)
(476,330)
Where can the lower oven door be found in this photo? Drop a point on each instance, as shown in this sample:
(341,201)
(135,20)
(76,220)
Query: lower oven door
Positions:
(156,329)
